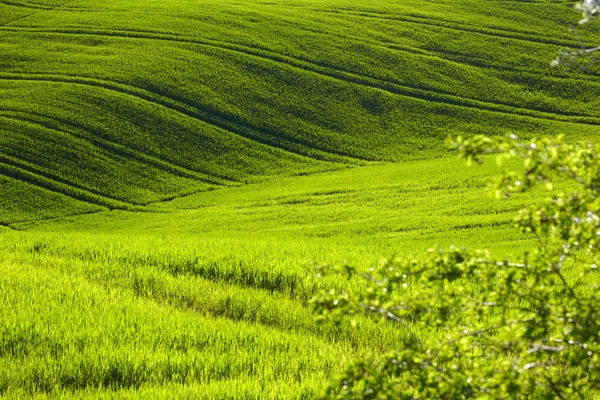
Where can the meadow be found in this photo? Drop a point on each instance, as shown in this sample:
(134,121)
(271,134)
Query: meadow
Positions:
(171,171)
(214,288)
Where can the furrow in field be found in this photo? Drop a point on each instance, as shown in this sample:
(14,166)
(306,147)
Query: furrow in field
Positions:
(37,9)
(225,270)
(520,34)
(396,88)
(230,301)
(429,21)
(109,146)
(32,167)
(13,169)
(33,174)
(7,23)
(455,57)
(8,226)
(263,136)
(448,56)
(65,180)
(27,5)
(35,170)
(439,54)
(246,276)
(470,60)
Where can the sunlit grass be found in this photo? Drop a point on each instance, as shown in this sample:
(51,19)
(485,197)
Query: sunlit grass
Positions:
(113,296)
(170,172)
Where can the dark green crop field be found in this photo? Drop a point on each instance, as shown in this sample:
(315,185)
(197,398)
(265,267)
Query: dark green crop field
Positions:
(169,170)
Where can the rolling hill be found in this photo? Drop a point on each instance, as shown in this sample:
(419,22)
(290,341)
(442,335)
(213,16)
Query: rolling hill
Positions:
(169,169)
(188,96)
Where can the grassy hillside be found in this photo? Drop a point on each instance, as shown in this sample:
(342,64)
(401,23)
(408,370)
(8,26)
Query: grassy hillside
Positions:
(189,96)
(170,169)
(207,297)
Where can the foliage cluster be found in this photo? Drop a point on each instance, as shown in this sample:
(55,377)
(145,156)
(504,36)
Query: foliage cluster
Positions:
(526,329)
(530,329)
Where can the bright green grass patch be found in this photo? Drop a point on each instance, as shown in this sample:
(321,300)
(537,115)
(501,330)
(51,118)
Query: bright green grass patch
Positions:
(375,204)
(69,334)
(213,150)
(213,289)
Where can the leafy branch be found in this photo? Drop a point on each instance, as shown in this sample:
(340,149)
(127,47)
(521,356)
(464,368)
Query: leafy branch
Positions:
(479,327)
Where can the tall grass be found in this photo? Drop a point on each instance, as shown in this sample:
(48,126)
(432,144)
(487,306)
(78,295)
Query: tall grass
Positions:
(213,290)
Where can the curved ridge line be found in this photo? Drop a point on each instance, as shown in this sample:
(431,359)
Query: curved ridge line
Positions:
(39,10)
(44,173)
(366,81)
(35,179)
(115,148)
(207,117)
(437,54)
(30,168)
(132,152)
(452,26)
(478,62)
(40,179)
(137,34)
(26,5)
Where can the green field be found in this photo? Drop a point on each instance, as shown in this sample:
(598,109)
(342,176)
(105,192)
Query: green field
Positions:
(170,171)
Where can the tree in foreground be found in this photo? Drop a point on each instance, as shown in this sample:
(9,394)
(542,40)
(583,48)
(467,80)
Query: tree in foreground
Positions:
(497,328)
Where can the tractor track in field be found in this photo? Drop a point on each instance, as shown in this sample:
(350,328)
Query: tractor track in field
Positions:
(396,88)
(503,33)
(498,32)
(31,168)
(31,6)
(459,58)
(454,57)
(112,147)
(531,37)
(37,10)
(26,171)
(240,129)
(20,171)
(16,170)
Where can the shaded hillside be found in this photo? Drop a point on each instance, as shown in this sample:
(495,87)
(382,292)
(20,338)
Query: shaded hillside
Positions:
(120,104)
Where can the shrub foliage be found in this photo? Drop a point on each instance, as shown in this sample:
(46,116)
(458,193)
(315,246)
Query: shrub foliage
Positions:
(495,328)
(498,328)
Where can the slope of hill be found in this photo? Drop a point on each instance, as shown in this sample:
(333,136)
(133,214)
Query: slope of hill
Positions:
(169,169)
(120,104)
(208,298)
